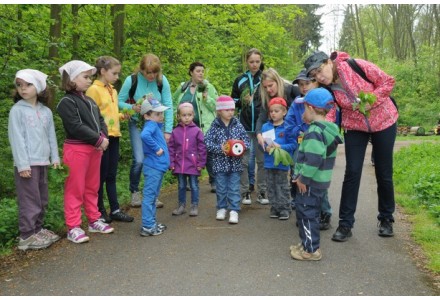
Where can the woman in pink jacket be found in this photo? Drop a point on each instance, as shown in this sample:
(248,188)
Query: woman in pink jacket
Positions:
(378,121)
(187,157)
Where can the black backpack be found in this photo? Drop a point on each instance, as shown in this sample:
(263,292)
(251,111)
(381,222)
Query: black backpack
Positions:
(133,87)
(353,64)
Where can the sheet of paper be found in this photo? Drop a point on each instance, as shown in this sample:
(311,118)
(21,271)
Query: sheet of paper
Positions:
(269,136)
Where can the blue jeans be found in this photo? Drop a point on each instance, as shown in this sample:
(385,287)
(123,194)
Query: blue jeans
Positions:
(355,146)
(228,190)
(151,192)
(109,168)
(138,155)
(193,183)
(251,166)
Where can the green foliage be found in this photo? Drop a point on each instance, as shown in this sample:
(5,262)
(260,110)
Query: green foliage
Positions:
(416,173)
(8,222)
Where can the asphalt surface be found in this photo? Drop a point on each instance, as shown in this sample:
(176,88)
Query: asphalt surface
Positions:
(203,256)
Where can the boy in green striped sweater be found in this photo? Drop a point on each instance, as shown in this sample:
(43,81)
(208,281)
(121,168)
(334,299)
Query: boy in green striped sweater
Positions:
(313,171)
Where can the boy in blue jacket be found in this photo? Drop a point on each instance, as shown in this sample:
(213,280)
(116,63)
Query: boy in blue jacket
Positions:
(156,163)
(277,175)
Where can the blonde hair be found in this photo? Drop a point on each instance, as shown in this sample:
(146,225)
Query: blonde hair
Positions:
(271,74)
(150,60)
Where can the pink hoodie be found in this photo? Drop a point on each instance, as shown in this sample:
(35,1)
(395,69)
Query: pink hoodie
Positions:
(383,114)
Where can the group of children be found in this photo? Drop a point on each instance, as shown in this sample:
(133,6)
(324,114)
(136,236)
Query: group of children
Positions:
(91,119)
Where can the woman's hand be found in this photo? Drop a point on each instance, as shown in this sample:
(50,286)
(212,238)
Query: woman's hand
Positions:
(136,108)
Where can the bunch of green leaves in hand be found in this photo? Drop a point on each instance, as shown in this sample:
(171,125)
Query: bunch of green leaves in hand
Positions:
(364,99)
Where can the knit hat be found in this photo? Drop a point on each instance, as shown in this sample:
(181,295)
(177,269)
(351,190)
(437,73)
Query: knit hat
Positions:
(319,98)
(75,67)
(37,78)
(314,61)
(302,75)
(185,104)
(278,100)
(152,105)
(224,102)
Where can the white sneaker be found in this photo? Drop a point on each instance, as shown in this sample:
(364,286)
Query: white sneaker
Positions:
(246,199)
(221,214)
(233,217)
(262,199)
(77,235)
(136,199)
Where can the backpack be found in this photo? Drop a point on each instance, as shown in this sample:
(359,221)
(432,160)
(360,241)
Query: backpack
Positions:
(353,64)
(133,89)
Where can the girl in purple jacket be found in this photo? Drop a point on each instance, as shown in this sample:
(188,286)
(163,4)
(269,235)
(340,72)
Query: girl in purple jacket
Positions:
(187,157)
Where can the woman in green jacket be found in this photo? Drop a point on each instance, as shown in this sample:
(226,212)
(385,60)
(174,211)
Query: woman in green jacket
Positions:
(202,95)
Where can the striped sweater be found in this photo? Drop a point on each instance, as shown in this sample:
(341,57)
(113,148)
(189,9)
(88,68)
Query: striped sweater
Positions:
(317,155)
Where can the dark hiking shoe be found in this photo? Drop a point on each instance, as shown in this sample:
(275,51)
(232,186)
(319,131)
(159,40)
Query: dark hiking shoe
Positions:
(121,217)
(342,234)
(385,228)
(324,222)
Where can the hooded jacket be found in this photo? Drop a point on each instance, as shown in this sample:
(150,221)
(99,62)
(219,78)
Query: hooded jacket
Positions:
(32,135)
(217,134)
(383,113)
(317,155)
(205,107)
(187,149)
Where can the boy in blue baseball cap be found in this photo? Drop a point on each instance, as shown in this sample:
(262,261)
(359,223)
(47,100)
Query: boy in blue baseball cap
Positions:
(313,171)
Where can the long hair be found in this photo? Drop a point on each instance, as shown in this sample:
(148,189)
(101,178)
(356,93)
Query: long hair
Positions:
(271,74)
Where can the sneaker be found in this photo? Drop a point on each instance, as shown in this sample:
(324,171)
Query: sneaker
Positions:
(297,246)
(158,203)
(284,215)
(233,217)
(136,199)
(221,214)
(161,226)
(385,228)
(342,234)
(246,198)
(48,235)
(324,222)
(77,235)
(101,227)
(121,216)
(213,188)
(301,254)
(188,188)
(179,211)
(104,217)
(274,214)
(262,199)
(194,211)
(33,242)
(251,187)
(150,231)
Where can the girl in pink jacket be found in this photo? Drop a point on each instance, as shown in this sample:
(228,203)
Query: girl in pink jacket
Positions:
(377,122)
(187,157)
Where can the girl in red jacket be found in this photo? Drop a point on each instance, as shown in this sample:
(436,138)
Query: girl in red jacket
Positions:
(187,157)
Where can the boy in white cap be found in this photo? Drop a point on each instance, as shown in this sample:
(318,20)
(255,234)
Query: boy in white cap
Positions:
(313,171)
(86,139)
(33,142)
(156,163)
(226,167)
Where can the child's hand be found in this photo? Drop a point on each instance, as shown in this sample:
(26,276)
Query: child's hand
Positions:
(25,174)
(302,188)
(56,166)
(160,152)
(104,145)
(224,148)
(199,169)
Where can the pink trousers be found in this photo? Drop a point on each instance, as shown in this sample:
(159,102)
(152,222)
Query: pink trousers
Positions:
(82,184)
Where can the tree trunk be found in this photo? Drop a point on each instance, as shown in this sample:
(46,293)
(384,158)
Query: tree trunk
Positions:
(75,33)
(54,36)
(118,15)
(353,19)
(19,46)
(361,32)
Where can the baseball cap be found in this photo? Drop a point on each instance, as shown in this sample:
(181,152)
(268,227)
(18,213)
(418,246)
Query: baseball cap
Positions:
(314,61)
(302,75)
(278,100)
(319,98)
(152,105)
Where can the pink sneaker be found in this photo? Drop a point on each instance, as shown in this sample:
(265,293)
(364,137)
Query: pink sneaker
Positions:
(101,227)
(77,235)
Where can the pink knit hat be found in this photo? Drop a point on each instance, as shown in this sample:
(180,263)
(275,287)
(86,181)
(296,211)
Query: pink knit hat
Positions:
(185,104)
(224,102)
